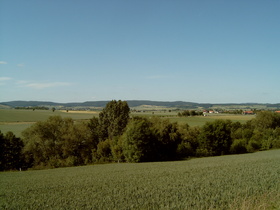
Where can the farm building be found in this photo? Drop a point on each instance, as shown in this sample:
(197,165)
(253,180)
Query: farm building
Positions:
(248,112)
(210,111)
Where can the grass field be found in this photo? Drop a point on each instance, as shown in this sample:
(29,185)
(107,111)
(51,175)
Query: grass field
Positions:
(249,181)
(201,120)
(197,120)
(16,120)
(17,115)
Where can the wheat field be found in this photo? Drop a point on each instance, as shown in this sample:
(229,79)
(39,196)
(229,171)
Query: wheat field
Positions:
(249,181)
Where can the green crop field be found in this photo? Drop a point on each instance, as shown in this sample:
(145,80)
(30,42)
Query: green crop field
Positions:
(201,120)
(18,115)
(16,128)
(249,181)
(196,120)
(17,120)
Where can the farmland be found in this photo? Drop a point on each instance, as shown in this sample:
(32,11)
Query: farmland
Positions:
(17,120)
(18,115)
(249,181)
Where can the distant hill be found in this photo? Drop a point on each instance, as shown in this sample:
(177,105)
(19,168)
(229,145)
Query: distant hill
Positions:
(131,103)
(139,103)
(28,103)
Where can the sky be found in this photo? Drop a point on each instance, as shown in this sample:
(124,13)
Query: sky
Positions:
(201,51)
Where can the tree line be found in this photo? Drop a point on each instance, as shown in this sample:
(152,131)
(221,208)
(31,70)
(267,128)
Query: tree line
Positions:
(115,137)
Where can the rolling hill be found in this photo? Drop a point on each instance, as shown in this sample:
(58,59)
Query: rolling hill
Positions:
(139,103)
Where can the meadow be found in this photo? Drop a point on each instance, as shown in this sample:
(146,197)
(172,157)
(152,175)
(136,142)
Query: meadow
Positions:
(17,120)
(249,181)
(20,115)
(201,120)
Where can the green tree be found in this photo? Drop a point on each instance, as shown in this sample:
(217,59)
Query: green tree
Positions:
(267,119)
(193,113)
(58,142)
(94,127)
(10,152)
(117,149)
(138,141)
(263,129)
(95,133)
(2,151)
(186,113)
(167,138)
(76,142)
(43,140)
(104,152)
(215,138)
(189,141)
(238,146)
(113,119)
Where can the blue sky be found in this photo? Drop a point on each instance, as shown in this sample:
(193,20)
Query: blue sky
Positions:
(214,51)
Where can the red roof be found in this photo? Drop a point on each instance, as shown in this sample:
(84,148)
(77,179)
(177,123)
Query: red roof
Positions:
(248,112)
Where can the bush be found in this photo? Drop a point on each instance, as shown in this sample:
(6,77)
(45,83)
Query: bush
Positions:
(11,157)
(189,141)
(276,143)
(253,146)
(139,143)
(117,150)
(50,142)
(167,138)
(266,120)
(184,150)
(238,146)
(104,150)
(215,137)
(203,152)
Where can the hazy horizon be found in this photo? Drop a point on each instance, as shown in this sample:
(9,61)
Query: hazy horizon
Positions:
(131,100)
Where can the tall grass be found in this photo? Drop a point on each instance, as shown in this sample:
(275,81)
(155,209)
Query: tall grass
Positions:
(248,181)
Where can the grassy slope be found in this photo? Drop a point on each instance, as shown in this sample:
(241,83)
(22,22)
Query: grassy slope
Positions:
(249,181)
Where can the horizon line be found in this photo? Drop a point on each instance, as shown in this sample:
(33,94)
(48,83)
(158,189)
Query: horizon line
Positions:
(166,101)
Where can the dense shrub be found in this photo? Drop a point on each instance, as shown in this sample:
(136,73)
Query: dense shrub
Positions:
(11,157)
(253,146)
(138,141)
(117,149)
(167,138)
(189,141)
(266,120)
(238,146)
(104,150)
(215,137)
(52,142)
